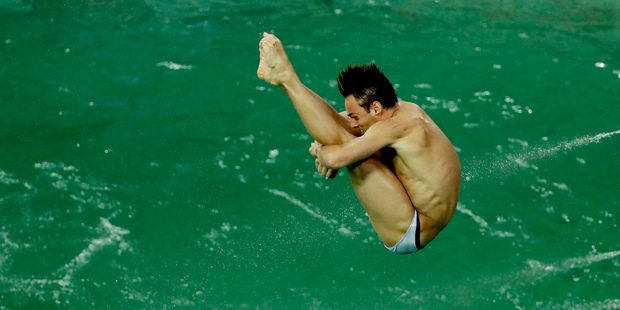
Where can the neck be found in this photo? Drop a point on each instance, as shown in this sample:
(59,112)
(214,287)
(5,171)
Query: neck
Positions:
(393,110)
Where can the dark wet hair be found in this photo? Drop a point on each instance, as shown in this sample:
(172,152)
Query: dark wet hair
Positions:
(367,84)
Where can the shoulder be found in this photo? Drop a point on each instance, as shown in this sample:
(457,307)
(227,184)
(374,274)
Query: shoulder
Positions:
(411,117)
(413,123)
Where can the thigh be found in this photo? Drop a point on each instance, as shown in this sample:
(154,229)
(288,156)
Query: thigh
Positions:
(383,197)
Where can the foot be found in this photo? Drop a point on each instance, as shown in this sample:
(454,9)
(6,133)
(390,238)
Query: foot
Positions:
(274,66)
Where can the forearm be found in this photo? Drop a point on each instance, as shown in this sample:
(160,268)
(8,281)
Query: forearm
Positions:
(333,157)
(342,155)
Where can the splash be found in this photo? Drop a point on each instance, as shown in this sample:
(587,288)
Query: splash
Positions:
(540,153)
(536,272)
(113,236)
(174,66)
(484,225)
(512,286)
(62,282)
(330,222)
(77,194)
(513,163)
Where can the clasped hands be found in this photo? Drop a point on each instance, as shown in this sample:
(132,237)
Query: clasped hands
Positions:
(315,147)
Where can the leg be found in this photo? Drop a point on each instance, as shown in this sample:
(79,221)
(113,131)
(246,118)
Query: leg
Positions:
(384,198)
(321,120)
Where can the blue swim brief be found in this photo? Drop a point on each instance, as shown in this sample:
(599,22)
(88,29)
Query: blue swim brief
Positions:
(410,243)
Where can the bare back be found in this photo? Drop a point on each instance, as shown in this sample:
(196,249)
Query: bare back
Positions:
(427,165)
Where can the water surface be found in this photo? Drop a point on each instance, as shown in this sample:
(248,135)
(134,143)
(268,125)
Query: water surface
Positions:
(145,166)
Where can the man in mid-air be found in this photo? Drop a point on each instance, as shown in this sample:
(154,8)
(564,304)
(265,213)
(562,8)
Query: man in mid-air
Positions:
(404,170)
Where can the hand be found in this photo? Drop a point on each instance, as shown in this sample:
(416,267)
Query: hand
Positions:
(315,147)
(328,173)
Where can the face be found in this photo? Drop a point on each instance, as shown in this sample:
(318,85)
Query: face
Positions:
(358,117)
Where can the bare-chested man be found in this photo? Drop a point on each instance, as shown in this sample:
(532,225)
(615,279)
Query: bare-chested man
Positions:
(404,170)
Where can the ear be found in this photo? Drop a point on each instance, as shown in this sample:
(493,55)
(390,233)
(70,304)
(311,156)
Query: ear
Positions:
(376,107)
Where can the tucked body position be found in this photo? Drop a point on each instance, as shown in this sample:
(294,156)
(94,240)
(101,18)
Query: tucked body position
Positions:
(403,168)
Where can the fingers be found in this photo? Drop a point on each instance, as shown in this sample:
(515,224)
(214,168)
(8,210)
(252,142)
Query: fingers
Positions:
(331,173)
(314,148)
(328,173)
(322,170)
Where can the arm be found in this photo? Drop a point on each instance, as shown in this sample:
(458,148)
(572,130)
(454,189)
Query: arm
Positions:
(328,173)
(380,135)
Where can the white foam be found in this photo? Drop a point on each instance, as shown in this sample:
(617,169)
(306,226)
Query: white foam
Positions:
(514,162)
(220,238)
(214,237)
(510,286)
(303,206)
(537,271)
(540,153)
(484,225)
(597,304)
(7,179)
(174,66)
(582,262)
(111,235)
(60,282)
(330,222)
